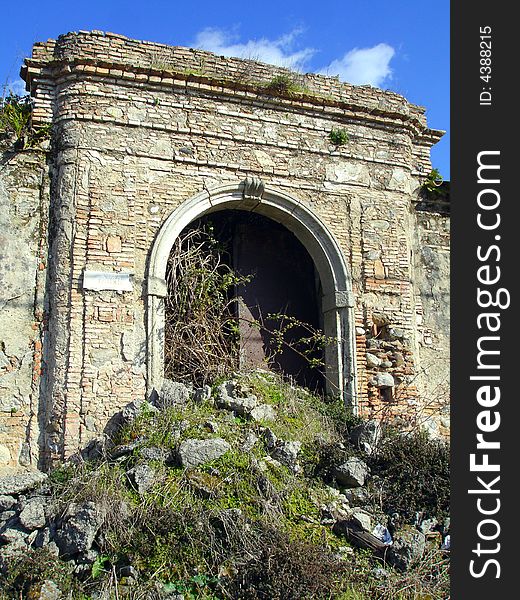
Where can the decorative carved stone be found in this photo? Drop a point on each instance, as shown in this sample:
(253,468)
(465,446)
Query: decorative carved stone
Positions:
(253,188)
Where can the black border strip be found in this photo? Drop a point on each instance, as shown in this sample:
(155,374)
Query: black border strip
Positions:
(483,125)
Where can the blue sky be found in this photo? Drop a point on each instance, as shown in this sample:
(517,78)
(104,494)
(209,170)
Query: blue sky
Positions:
(400,46)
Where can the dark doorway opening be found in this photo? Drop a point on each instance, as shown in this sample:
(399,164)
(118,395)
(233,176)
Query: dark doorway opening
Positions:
(283,295)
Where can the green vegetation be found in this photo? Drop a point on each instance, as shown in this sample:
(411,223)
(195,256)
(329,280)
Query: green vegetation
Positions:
(16,122)
(244,525)
(338,136)
(416,472)
(201,332)
(282,85)
(28,571)
(433,182)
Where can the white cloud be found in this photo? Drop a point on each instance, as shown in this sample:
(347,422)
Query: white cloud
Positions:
(363,65)
(276,52)
(358,66)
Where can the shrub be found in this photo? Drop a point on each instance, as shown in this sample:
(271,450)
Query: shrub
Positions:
(15,120)
(282,85)
(26,572)
(201,333)
(416,472)
(338,136)
(15,115)
(286,569)
(433,182)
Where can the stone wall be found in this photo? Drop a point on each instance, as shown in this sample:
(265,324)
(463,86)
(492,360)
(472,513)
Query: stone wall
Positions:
(23,216)
(139,129)
(432,284)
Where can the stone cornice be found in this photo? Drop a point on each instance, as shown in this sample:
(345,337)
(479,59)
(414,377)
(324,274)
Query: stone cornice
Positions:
(34,71)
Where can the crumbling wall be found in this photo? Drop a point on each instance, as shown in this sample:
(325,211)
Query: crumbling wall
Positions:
(432,284)
(139,130)
(23,214)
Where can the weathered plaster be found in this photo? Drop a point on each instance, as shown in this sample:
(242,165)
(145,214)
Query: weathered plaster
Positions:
(146,138)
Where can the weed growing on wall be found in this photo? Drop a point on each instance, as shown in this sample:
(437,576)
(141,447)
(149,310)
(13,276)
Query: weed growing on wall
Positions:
(338,136)
(282,85)
(433,182)
(16,122)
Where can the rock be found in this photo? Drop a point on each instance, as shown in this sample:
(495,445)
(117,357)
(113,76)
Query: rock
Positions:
(195,452)
(227,397)
(24,457)
(268,461)
(173,393)
(357,496)
(6,502)
(33,514)
(383,380)
(396,333)
(380,573)
(143,477)
(21,482)
(6,516)
(5,455)
(202,394)
(249,442)
(372,360)
(129,571)
(269,438)
(337,510)
(132,410)
(13,535)
(398,359)
(351,473)
(373,343)
(79,528)
(155,454)
(125,449)
(362,518)
(366,436)
(408,547)
(431,426)
(96,448)
(84,563)
(287,454)
(48,590)
(44,537)
(263,412)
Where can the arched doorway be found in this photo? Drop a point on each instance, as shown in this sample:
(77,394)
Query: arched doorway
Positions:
(273,308)
(336,302)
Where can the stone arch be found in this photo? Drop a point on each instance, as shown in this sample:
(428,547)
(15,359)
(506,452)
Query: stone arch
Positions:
(337,301)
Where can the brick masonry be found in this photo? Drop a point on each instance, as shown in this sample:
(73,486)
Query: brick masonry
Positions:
(138,129)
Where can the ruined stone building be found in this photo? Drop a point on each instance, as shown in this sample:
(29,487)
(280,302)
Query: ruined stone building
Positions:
(146,139)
